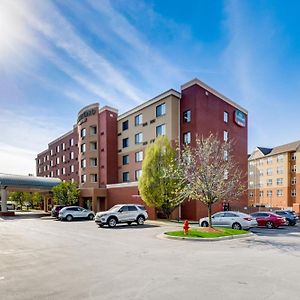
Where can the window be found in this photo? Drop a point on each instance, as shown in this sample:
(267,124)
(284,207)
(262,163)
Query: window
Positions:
(261,193)
(225,174)
(280,158)
(161,130)
(51,174)
(187,116)
(72,180)
(125,176)
(63,146)
(138,120)
(261,162)
(279,181)
(260,184)
(269,160)
(279,170)
(261,173)
(293,156)
(294,180)
(125,159)
(138,174)
(72,168)
(125,142)
(93,177)
(132,208)
(93,146)
(269,182)
(93,162)
(82,132)
(187,138)
(51,163)
(63,158)
(47,157)
(125,125)
(51,152)
(225,116)
(82,148)
(138,138)
(251,194)
(293,193)
(139,156)
(44,158)
(63,171)
(251,173)
(57,172)
(251,184)
(57,160)
(279,193)
(72,155)
(71,142)
(83,163)
(269,171)
(294,168)
(161,110)
(83,178)
(225,136)
(269,193)
(93,130)
(57,148)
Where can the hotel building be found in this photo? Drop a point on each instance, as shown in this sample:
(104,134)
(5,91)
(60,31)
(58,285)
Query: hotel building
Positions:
(104,151)
(274,176)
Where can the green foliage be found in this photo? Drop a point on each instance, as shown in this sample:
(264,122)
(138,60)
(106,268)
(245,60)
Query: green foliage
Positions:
(19,198)
(66,193)
(36,199)
(158,183)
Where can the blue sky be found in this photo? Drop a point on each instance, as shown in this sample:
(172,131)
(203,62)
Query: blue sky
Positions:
(58,56)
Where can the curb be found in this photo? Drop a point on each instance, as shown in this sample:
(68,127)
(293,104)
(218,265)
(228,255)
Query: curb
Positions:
(222,238)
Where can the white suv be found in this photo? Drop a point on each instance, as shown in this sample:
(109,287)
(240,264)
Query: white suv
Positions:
(122,213)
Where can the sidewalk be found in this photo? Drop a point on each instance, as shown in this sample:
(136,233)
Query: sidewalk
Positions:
(26,215)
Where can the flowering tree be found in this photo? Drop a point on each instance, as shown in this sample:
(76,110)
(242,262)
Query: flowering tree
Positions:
(209,173)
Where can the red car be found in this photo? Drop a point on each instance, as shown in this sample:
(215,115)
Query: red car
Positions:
(268,219)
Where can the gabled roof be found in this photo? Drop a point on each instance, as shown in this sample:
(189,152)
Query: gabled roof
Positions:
(264,151)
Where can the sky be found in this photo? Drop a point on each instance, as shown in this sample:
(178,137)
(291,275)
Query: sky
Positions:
(58,56)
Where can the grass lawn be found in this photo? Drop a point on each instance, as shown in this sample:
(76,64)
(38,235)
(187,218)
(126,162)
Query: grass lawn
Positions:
(198,233)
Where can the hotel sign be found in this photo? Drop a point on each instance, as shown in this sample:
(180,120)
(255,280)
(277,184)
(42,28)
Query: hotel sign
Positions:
(86,114)
(240,118)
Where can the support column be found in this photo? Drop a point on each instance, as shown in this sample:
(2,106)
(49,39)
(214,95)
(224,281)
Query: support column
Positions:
(3,200)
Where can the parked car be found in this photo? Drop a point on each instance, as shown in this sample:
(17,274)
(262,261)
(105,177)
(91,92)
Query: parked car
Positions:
(55,210)
(269,219)
(231,219)
(121,213)
(291,219)
(9,205)
(75,212)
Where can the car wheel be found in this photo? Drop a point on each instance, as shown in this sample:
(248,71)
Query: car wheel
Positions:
(236,226)
(269,224)
(204,224)
(129,223)
(112,222)
(69,218)
(91,217)
(101,225)
(140,220)
(292,223)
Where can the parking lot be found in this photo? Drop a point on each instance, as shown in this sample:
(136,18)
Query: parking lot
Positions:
(49,259)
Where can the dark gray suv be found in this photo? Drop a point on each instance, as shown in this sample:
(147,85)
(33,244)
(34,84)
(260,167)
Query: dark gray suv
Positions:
(290,217)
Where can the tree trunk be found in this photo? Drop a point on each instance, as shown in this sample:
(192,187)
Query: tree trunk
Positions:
(209,215)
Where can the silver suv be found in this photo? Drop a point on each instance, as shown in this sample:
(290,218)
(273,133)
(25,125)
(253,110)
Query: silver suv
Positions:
(122,213)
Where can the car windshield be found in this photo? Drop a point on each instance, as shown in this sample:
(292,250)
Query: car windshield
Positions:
(114,208)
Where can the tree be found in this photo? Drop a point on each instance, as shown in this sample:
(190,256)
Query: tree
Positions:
(36,199)
(20,198)
(209,172)
(156,185)
(65,193)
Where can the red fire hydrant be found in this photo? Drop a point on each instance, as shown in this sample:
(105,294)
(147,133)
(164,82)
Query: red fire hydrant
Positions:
(186,227)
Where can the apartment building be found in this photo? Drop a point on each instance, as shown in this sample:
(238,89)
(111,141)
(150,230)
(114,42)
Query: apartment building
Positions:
(274,176)
(107,149)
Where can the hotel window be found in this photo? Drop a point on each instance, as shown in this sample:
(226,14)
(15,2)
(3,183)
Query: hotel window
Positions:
(51,174)
(93,130)
(63,171)
(44,158)
(187,116)
(251,184)
(93,146)
(138,120)
(48,167)
(83,178)
(82,132)
(260,184)
(225,116)
(71,142)
(125,142)
(251,194)
(269,160)
(187,138)
(261,193)
(225,174)
(294,180)
(226,155)
(269,182)
(139,156)
(251,173)
(161,110)
(269,171)
(57,160)
(125,125)
(72,168)
(161,130)
(63,146)
(57,172)
(280,158)
(138,138)
(82,148)
(45,168)
(261,173)
(279,181)
(72,180)
(279,170)
(279,193)
(138,174)
(294,168)
(261,162)
(293,156)
(57,148)
(93,162)
(125,159)
(51,163)
(63,158)
(225,136)
(269,193)
(125,176)
(72,155)
(47,157)
(51,152)
(93,177)
(293,193)
(83,163)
